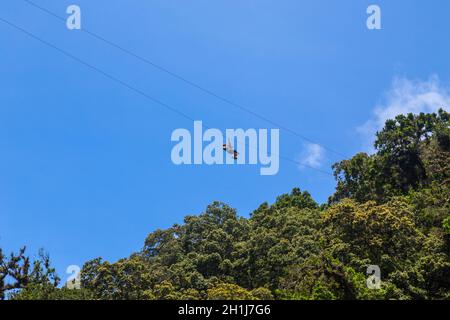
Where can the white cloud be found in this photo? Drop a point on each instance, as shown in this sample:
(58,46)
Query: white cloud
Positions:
(406,96)
(312,156)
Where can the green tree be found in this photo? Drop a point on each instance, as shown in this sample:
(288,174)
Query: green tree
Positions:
(228,291)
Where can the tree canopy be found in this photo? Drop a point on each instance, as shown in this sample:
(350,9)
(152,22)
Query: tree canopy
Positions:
(391,209)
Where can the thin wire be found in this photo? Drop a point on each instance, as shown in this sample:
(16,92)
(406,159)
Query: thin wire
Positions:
(189,82)
(130,87)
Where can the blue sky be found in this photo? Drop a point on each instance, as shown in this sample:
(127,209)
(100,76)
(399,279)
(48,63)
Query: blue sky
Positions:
(85,166)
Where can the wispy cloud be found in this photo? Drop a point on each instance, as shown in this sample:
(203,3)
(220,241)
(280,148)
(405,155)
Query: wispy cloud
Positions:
(312,156)
(403,97)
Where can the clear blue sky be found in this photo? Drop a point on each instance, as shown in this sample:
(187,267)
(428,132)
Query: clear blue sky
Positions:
(85,167)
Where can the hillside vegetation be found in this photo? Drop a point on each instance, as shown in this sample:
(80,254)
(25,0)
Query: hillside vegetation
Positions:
(390,209)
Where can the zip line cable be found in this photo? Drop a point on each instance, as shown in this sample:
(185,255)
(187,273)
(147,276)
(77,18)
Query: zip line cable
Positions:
(190,83)
(130,87)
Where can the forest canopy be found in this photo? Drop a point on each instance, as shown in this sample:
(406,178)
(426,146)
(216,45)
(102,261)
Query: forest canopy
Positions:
(390,209)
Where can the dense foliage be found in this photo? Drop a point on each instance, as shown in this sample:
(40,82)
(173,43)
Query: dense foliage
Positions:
(390,209)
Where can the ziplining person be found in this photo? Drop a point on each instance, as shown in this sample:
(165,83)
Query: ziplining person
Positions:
(229,149)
